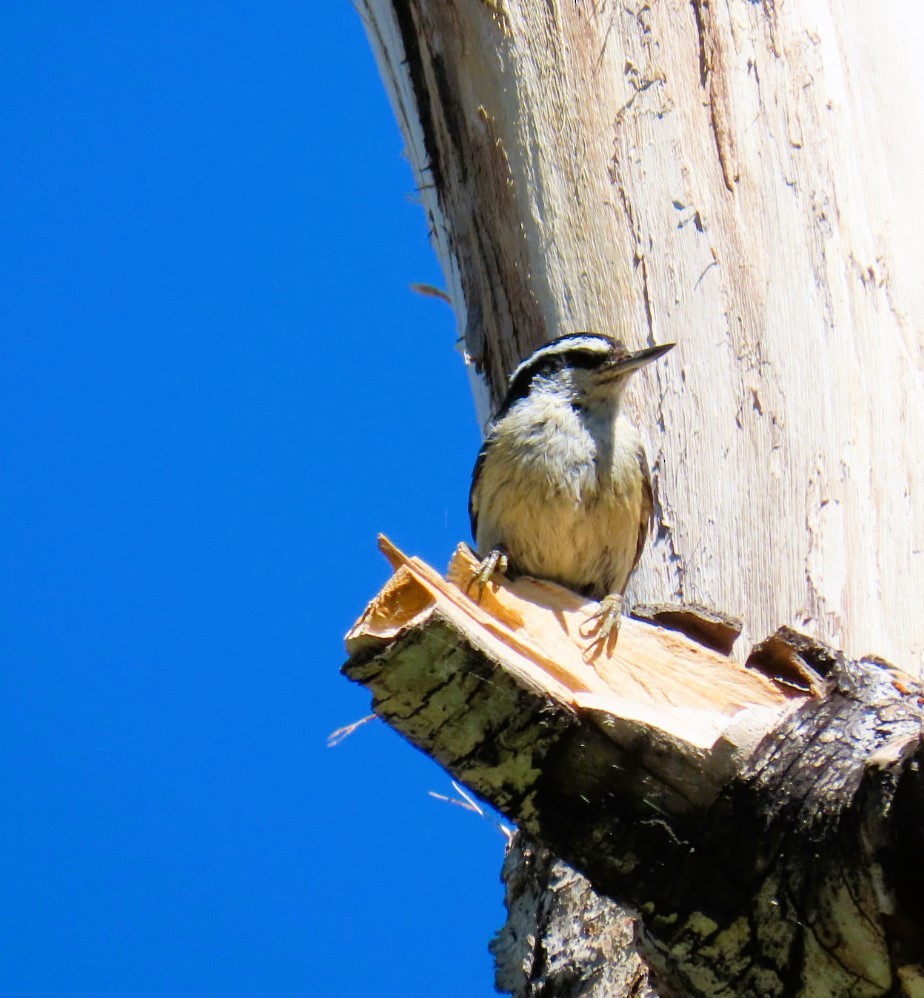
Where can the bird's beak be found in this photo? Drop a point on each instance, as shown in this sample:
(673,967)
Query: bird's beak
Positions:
(638,358)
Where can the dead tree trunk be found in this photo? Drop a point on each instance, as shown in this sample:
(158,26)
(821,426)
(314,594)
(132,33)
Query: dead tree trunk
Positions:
(741,178)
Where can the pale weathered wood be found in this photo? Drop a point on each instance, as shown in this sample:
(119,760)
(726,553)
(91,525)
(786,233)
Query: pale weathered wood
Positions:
(739,177)
(743,178)
(655,678)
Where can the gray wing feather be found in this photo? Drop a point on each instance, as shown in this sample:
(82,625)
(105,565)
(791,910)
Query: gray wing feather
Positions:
(476,475)
(646,513)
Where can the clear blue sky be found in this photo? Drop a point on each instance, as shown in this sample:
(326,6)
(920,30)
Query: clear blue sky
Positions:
(216,389)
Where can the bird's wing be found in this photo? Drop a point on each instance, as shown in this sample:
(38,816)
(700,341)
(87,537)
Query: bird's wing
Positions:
(472,497)
(646,513)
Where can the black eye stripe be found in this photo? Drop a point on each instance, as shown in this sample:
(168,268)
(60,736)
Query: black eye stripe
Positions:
(593,344)
(576,350)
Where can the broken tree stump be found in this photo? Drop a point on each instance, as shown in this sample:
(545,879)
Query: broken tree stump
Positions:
(764,820)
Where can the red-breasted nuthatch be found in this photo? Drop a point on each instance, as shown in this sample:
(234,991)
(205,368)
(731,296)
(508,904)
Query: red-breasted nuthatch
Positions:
(561,489)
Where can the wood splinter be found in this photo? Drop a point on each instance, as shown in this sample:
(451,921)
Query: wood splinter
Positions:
(763,819)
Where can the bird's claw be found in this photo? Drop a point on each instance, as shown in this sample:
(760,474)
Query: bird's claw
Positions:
(495,563)
(602,627)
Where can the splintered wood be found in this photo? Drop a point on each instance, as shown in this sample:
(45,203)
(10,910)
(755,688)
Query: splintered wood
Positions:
(655,678)
(740,810)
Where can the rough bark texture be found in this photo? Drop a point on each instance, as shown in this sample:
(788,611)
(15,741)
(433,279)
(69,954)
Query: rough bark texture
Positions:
(768,834)
(562,938)
(739,177)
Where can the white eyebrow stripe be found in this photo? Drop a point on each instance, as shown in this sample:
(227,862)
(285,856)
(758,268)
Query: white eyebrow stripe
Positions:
(590,342)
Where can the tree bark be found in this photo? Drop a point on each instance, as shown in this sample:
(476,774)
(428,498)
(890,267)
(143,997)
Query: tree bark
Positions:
(764,821)
(562,937)
(739,177)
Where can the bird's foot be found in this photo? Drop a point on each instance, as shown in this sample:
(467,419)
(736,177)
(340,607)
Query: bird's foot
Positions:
(495,563)
(602,627)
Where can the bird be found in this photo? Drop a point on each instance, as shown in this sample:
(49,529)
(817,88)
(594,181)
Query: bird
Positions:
(561,489)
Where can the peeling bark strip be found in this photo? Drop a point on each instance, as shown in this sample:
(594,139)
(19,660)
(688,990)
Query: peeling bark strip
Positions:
(762,834)
(713,78)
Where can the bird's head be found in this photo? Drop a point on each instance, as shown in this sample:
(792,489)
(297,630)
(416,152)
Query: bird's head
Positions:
(584,367)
